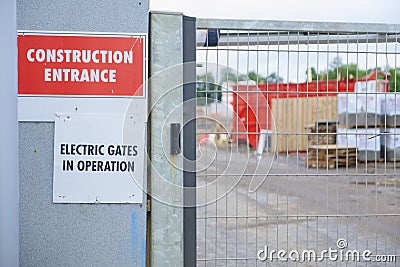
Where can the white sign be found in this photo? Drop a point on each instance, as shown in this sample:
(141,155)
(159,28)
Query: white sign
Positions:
(99,158)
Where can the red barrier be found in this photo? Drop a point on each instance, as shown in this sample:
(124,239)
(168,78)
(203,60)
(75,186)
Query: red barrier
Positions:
(252,104)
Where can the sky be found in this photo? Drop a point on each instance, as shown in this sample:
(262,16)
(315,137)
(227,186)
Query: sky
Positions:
(373,11)
(356,11)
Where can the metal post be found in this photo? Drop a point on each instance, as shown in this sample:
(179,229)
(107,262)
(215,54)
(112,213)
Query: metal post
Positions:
(189,140)
(165,100)
(9,184)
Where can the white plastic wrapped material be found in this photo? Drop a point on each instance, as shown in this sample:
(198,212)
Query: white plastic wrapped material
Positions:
(391,138)
(369,103)
(347,103)
(363,139)
(369,139)
(391,104)
(346,137)
(366,86)
(359,103)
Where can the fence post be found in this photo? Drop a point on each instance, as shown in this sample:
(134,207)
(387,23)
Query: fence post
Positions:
(189,140)
(9,180)
(165,175)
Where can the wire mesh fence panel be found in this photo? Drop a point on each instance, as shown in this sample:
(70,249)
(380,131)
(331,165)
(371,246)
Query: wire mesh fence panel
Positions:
(298,144)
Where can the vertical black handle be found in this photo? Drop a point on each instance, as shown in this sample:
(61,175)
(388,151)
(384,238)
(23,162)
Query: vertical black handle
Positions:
(175,137)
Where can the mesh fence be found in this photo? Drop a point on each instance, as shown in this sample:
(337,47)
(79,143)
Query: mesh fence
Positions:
(298,146)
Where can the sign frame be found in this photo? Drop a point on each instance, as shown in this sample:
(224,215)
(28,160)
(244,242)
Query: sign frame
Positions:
(52,107)
(52,104)
(78,176)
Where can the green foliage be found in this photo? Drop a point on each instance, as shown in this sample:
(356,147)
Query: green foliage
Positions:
(337,70)
(394,84)
(272,78)
(230,75)
(351,71)
(207,90)
(255,77)
(314,74)
(207,77)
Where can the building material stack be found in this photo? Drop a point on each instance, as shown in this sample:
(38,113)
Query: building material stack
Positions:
(331,156)
(391,119)
(322,133)
(367,120)
(366,140)
(323,152)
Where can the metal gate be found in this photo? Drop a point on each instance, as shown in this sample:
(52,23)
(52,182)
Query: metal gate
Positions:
(297,159)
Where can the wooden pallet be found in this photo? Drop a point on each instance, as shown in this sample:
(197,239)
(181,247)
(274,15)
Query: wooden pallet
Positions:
(331,156)
(391,160)
(378,160)
(332,148)
(381,160)
(329,166)
(322,139)
(392,126)
(390,182)
(378,125)
(322,133)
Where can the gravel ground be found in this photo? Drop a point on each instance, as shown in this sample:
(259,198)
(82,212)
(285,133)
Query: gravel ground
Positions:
(248,204)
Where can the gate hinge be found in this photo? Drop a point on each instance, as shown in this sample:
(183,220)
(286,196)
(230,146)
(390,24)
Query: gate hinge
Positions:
(148,205)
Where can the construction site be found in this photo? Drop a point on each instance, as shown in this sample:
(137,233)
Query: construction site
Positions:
(154,138)
(296,161)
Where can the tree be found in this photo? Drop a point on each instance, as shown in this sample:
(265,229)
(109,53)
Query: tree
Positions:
(272,78)
(351,71)
(206,77)
(252,75)
(354,72)
(207,90)
(394,84)
(337,70)
(314,74)
(336,63)
(230,75)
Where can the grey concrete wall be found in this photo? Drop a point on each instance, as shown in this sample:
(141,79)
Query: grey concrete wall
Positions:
(83,15)
(74,234)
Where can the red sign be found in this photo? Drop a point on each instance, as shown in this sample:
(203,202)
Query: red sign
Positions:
(80,65)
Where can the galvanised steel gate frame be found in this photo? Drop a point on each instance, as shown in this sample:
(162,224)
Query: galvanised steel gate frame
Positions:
(276,206)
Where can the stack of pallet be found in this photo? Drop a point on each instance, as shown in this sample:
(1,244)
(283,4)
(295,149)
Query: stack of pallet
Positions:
(322,133)
(323,152)
(331,156)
